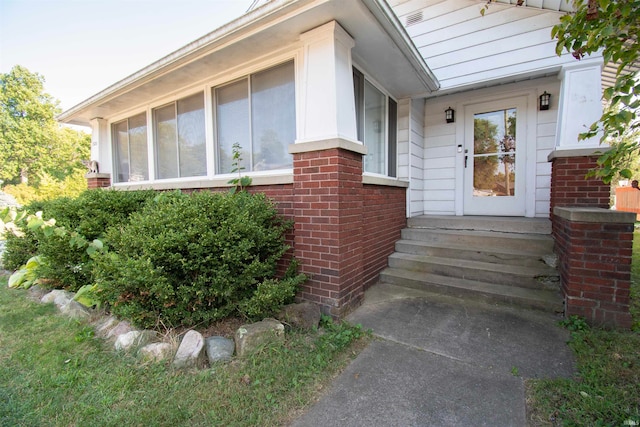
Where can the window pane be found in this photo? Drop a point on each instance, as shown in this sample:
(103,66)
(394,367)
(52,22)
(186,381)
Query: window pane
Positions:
(374,129)
(232,122)
(121,148)
(191,138)
(166,150)
(393,138)
(139,167)
(273,117)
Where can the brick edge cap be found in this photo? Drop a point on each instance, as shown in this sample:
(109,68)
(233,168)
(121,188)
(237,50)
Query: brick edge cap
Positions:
(600,215)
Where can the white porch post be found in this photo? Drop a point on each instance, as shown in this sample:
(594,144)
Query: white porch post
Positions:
(327,107)
(100,146)
(580,103)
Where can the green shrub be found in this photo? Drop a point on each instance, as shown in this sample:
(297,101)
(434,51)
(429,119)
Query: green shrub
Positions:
(89,214)
(18,250)
(190,260)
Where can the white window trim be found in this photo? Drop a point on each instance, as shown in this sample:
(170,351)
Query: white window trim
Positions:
(211,178)
(388,96)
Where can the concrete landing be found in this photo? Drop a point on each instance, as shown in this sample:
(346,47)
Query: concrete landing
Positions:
(440,361)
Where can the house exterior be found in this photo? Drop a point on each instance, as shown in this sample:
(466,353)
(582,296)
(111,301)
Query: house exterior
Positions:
(341,109)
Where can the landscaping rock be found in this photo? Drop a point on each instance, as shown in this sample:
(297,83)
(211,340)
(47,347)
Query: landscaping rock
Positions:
(156,352)
(133,340)
(121,328)
(251,337)
(104,326)
(191,351)
(305,315)
(36,292)
(219,349)
(75,310)
(58,297)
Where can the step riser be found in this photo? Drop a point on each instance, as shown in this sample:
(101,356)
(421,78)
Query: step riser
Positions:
(508,225)
(463,272)
(482,242)
(415,248)
(469,293)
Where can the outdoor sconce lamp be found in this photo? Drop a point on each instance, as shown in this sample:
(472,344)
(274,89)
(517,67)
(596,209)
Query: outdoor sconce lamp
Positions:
(450,115)
(545,101)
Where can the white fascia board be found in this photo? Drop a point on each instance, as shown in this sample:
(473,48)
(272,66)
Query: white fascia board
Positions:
(225,34)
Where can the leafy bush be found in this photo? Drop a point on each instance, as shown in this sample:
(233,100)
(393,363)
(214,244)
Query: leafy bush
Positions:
(67,264)
(90,214)
(18,250)
(193,259)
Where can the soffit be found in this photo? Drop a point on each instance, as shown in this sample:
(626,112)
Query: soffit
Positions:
(382,48)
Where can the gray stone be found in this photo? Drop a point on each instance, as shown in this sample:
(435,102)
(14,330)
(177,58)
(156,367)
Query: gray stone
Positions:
(121,328)
(36,292)
(58,297)
(219,349)
(249,338)
(190,353)
(133,340)
(104,326)
(156,352)
(75,310)
(305,315)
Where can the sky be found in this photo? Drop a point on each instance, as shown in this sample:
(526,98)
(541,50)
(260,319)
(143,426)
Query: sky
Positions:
(81,47)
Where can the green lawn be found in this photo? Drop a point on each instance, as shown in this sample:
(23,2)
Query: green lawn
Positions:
(606,391)
(54,373)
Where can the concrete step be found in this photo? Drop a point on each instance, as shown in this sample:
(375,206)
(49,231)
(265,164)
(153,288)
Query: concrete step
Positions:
(464,288)
(537,277)
(453,250)
(517,225)
(503,242)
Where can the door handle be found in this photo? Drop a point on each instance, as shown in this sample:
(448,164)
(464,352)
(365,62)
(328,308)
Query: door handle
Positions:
(465,158)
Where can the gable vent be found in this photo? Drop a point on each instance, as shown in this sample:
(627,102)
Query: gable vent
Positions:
(414,18)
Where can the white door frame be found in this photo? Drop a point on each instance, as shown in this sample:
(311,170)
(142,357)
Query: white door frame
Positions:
(527,135)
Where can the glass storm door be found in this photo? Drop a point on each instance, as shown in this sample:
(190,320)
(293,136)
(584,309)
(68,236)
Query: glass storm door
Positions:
(494,159)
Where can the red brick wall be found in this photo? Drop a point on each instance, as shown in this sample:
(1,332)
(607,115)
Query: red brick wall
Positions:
(570,188)
(328,227)
(98,182)
(384,216)
(595,270)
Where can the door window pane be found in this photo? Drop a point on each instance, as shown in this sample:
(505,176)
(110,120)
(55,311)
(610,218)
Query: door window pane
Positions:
(273,117)
(494,143)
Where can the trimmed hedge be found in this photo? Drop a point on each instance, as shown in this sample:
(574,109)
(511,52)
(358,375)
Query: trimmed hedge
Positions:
(193,259)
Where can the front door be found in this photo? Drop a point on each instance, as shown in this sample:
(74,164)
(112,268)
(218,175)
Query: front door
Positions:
(494,158)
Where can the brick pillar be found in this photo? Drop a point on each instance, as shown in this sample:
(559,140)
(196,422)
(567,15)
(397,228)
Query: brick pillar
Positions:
(328,205)
(594,248)
(569,187)
(98,180)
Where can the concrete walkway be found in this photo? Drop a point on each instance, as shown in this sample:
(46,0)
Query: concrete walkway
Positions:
(442,362)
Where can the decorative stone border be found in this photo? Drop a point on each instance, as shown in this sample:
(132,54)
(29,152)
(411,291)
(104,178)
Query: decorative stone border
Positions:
(194,350)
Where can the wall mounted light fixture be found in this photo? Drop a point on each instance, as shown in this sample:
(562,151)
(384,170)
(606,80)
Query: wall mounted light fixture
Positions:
(545,101)
(450,115)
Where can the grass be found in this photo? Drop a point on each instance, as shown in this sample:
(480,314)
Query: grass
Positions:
(53,372)
(606,391)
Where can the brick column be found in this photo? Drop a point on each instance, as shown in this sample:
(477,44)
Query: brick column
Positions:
(569,187)
(98,180)
(328,207)
(594,248)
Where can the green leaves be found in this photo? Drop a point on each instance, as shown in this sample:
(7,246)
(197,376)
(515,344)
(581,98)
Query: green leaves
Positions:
(27,275)
(610,27)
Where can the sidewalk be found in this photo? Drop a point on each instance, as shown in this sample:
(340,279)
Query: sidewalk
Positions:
(442,362)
